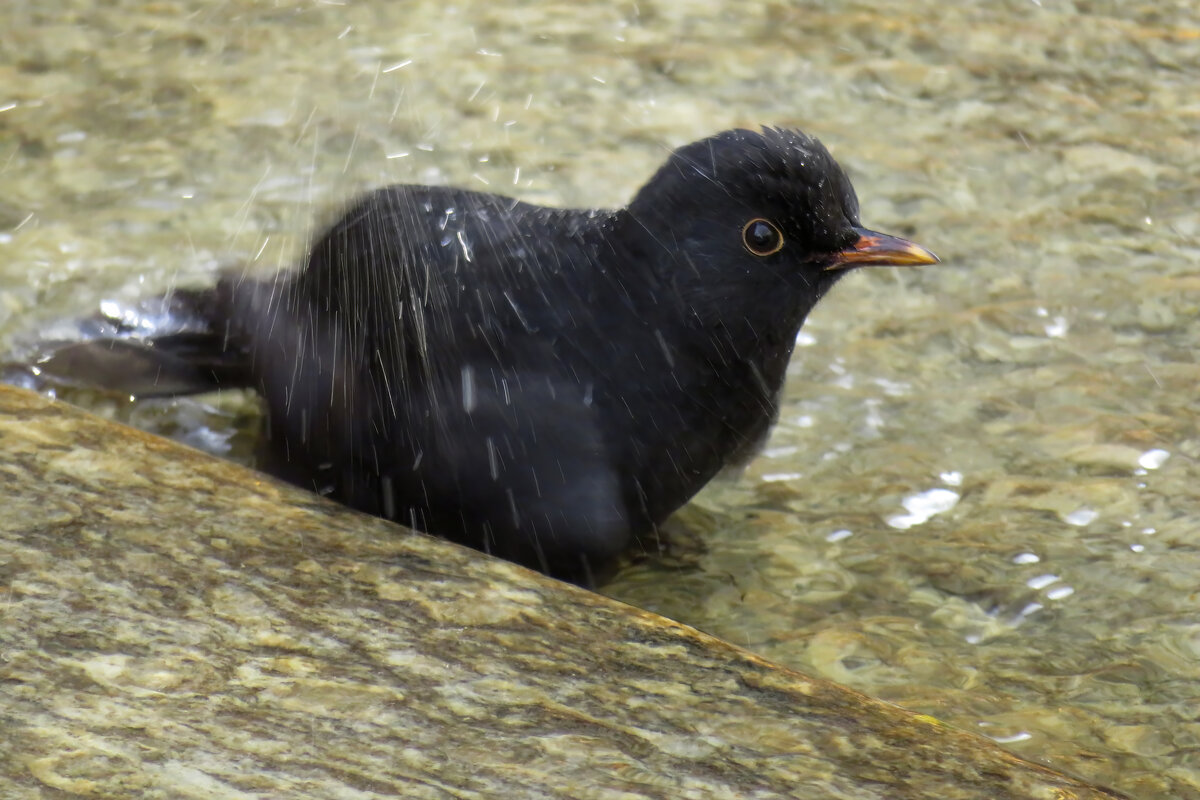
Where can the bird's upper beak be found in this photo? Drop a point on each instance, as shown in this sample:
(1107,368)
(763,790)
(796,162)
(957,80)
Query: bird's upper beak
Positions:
(880,250)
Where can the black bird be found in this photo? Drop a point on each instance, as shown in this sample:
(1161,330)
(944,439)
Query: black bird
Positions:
(544,384)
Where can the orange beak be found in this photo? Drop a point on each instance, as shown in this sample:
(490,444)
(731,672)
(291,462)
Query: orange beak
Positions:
(880,250)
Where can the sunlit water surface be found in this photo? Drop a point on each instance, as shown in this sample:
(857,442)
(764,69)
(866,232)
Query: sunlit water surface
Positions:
(982,501)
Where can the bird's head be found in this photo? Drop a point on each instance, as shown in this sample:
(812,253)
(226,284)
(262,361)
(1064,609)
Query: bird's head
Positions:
(744,216)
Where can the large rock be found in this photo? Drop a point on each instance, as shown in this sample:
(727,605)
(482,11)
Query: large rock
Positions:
(175,626)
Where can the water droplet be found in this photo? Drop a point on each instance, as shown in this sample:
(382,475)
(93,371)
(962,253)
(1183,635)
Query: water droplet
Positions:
(1081,517)
(493,459)
(1027,611)
(954,478)
(468,388)
(1057,328)
(1041,581)
(922,506)
(1153,459)
(466,247)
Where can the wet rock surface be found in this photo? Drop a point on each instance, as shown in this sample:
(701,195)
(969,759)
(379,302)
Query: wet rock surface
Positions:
(175,626)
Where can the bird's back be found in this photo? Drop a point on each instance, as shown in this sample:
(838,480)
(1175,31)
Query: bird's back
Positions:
(431,363)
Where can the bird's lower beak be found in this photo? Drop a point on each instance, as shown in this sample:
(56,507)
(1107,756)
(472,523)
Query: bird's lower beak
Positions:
(880,250)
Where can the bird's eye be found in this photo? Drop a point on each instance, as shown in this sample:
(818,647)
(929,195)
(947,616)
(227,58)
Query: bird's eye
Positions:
(761,237)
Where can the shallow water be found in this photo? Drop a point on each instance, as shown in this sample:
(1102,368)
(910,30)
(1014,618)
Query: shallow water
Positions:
(982,500)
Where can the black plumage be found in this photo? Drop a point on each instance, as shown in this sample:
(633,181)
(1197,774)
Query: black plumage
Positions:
(544,384)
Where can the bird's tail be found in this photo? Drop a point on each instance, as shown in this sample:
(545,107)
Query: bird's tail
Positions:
(172,346)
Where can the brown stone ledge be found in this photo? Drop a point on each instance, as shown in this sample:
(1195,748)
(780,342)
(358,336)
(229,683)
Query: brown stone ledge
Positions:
(174,626)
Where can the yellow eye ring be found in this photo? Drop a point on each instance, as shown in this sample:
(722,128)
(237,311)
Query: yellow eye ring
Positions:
(762,237)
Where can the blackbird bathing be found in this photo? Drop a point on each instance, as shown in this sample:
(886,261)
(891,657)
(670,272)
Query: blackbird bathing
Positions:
(543,384)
